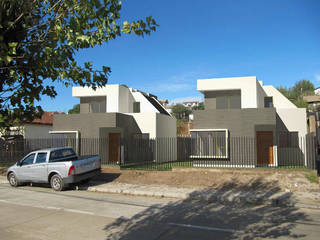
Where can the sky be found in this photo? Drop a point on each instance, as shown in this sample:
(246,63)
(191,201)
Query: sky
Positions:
(277,41)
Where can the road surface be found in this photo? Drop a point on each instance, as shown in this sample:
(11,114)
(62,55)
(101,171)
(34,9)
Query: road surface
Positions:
(39,213)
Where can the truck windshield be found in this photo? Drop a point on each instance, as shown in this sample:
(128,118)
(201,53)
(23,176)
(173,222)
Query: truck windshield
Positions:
(61,154)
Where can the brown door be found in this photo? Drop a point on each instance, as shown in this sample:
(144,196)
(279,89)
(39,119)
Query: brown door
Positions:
(265,147)
(114,147)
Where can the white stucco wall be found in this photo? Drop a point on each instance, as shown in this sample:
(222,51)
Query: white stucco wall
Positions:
(247,85)
(146,122)
(156,124)
(260,94)
(145,105)
(294,119)
(37,131)
(125,98)
(110,91)
(279,101)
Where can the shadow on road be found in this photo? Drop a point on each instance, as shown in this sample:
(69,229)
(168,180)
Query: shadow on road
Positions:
(97,180)
(199,219)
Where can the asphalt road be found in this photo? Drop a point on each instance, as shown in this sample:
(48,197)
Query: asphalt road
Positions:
(40,213)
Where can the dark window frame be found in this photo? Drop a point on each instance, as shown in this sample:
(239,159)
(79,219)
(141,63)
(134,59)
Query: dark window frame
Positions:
(212,145)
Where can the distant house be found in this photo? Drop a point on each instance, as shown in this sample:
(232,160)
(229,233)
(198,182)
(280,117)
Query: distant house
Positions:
(38,128)
(242,107)
(116,114)
(313,101)
(191,104)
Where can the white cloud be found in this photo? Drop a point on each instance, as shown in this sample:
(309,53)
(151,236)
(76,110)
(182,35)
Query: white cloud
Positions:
(186,99)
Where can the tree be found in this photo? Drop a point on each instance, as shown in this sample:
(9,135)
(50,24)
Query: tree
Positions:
(302,88)
(181,112)
(295,94)
(75,109)
(38,42)
(199,107)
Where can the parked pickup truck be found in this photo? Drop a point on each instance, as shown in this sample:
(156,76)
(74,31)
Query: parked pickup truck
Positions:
(57,166)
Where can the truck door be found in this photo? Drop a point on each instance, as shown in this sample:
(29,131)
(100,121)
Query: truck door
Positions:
(24,170)
(39,170)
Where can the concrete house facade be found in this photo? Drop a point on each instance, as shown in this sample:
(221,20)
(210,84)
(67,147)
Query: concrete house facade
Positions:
(112,113)
(244,108)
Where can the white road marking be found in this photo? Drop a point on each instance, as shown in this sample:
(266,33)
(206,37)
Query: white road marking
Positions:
(78,211)
(48,207)
(206,228)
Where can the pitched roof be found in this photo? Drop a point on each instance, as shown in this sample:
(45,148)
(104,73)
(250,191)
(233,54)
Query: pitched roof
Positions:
(311,98)
(46,119)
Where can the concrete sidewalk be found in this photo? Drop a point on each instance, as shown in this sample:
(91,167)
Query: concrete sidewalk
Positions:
(232,196)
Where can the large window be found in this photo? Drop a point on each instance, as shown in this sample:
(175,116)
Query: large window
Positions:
(97,107)
(228,102)
(210,143)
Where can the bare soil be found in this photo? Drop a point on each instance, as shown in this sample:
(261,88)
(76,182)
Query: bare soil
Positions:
(252,179)
(285,180)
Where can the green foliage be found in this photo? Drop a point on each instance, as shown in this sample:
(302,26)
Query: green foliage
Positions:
(299,102)
(199,107)
(296,93)
(75,109)
(312,177)
(181,112)
(302,88)
(38,41)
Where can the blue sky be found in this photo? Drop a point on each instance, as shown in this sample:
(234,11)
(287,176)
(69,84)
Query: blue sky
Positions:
(277,41)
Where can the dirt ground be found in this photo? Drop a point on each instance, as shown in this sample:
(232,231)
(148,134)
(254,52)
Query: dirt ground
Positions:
(246,179)
(286,180)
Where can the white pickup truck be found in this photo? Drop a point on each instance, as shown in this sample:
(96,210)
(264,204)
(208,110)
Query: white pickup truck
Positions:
(57,166)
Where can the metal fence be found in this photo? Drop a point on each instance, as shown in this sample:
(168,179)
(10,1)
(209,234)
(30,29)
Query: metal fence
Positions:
(166,153)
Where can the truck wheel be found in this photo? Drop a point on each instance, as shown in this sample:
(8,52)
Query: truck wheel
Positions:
(13,180)
(56,183)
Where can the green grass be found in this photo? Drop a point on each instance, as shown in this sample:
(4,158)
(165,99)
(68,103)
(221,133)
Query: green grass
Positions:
(312,177)
(189,163)
(6,164)
(158,166)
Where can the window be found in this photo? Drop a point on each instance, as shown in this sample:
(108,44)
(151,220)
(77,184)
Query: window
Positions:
(210,143)
(28,160)
(268,102)
(61,154)
(136,107)
(228,102)
(97,107)
(41,158)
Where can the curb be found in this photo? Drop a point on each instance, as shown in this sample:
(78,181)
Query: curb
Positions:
(208,196)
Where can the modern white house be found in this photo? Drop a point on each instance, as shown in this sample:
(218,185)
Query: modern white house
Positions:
(116,114)
(244,108)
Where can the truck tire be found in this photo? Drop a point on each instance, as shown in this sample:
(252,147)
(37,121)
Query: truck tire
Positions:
(56,183)
(13,180)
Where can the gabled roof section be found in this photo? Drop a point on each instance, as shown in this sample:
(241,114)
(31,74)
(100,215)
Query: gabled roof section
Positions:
(46,119)
(153,100)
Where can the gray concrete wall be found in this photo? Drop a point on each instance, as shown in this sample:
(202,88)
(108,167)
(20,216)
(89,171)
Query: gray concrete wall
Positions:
(239,122)
(87,124)
(242,125)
